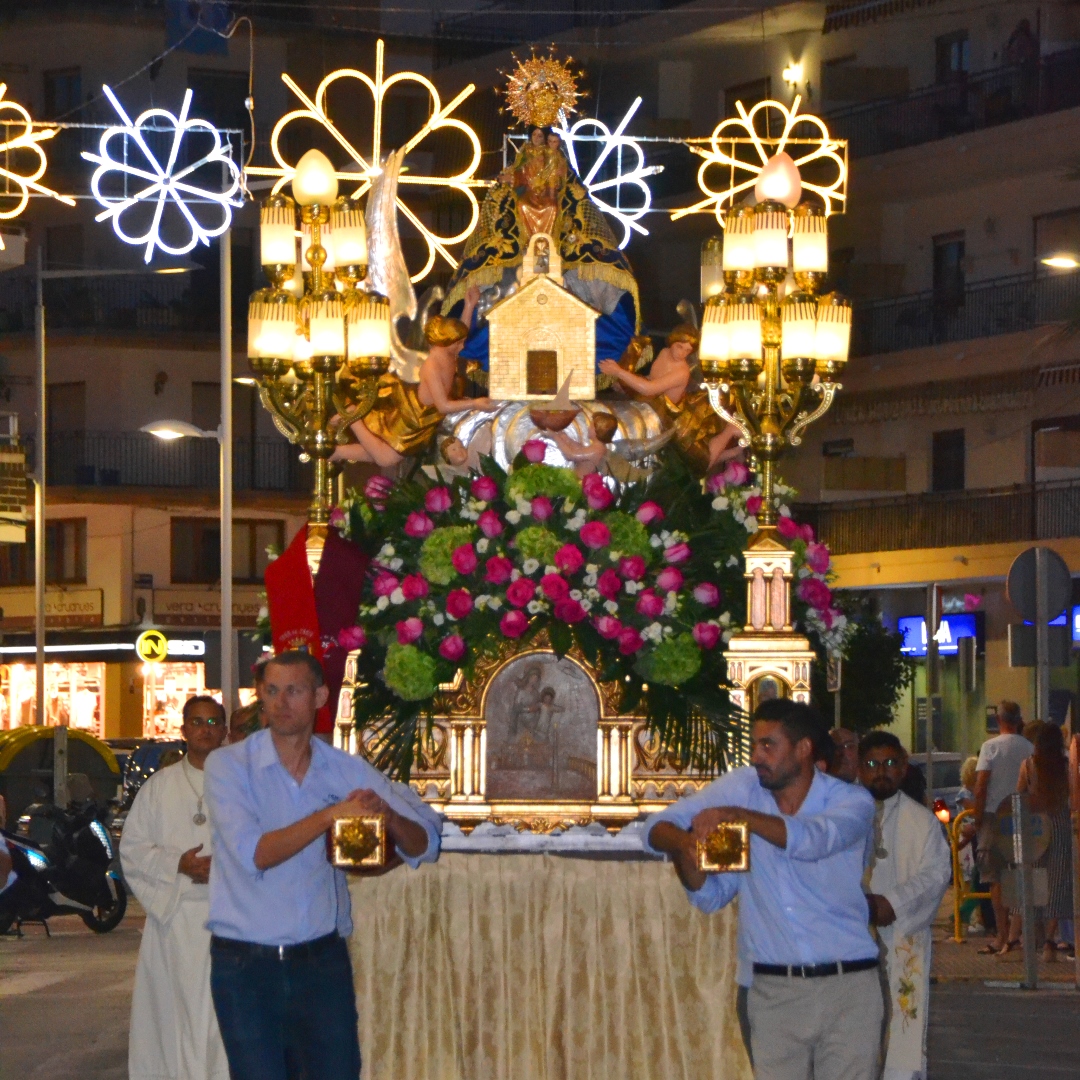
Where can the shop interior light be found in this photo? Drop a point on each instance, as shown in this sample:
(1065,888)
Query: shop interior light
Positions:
(169,430)
(1062,262)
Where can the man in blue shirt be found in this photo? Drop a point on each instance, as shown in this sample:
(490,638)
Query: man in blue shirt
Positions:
(279,911)
(815,1002)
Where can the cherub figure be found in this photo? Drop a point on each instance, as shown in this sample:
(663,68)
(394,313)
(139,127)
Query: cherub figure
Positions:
(459,459)
(598,454)
(405,416)
(703,439)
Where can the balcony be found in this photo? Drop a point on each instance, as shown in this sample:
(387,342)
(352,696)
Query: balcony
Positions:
(981,100)
(1002,305)
(1024,512)
(134,459)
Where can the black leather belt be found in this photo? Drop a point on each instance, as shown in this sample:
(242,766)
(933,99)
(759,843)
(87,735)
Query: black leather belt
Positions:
(305,950)
(815,971)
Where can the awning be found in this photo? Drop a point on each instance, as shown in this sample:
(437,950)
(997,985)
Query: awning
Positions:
(841,16)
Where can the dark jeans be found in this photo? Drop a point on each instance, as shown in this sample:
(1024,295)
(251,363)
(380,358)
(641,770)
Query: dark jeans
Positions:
(286,1018)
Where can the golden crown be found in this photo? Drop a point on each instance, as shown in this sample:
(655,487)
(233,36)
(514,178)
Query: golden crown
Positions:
(540,88)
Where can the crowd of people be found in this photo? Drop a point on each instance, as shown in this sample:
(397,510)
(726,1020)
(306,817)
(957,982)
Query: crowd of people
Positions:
(247,919)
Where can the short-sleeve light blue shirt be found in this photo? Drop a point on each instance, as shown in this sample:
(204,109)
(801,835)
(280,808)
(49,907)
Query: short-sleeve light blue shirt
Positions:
(801,904)
(250,793)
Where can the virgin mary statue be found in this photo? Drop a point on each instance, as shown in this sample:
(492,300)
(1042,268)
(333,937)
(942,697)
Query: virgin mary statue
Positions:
(541,193)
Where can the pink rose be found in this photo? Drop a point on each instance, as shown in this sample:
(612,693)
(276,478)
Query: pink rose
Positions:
(607,626)
(632,567)
(498,569)
(648,512)
(816,593)
(541,508)
(736,473)
(569,611)
(569,559)
(786,527)
(384,583)
(352,637)
(806,533)
(715,483)
(464,559)
(452,648)
(378,489)
(817,558)
(706,635)
(534,451)
(337,517)
(484,488)
(596,491)
(669,580)
(418,524)
(437,500)
(489,523)
(414,587)
(707,593)
(555,586)
(409,630)
(458,603)
(520,592)
(609,584)
(513,624)
(630,641)
(595,535)
(677,553)
(753,505)
(649,605)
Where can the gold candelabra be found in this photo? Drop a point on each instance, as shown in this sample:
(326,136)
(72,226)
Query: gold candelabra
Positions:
(318,342)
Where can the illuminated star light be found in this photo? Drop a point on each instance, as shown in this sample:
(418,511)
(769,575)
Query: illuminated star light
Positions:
(368,168)
(27,139)
(617,142)
(165,183)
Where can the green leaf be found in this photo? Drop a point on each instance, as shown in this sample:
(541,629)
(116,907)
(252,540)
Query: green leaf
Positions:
(562,639)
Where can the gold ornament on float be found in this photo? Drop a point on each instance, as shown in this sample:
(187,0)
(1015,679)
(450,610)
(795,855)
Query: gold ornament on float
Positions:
(541,88)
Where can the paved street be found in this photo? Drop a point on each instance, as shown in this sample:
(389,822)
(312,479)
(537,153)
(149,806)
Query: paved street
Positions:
(64,1006)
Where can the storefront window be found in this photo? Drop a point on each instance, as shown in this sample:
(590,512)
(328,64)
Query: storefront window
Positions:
(74,695)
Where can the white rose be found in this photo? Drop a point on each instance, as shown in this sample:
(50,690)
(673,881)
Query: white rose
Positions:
(529,566)
(397,597)
(494,603)
(592,568)
(611,607)
(590,579)
(720,502)
(535,607)
(482,545)
(655,541)
(513,516)
(382,603)
(587,605)
(438,618)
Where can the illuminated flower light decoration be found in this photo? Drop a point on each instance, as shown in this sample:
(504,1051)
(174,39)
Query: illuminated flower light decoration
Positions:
(365,168)
(742,173)
(25,142)
(169,186)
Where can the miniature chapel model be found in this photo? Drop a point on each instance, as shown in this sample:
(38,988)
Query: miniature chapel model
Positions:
(542,333)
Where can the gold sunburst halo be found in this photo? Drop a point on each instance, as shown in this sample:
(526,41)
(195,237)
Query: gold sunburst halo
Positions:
(541,88)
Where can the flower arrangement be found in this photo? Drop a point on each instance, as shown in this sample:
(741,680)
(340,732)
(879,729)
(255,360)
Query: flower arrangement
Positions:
(645,580)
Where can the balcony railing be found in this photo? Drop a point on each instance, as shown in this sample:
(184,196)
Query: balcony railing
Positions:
(134,459)
(980,100)
(1026,512)
(987,308)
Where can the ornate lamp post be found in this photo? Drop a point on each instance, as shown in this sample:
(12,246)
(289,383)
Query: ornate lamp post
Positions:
(772,351)
(317,341)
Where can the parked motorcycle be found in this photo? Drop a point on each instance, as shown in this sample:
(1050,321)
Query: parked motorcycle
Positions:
(63,862)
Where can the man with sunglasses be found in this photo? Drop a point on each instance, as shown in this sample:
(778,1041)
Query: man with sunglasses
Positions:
(910,868)
(165,852)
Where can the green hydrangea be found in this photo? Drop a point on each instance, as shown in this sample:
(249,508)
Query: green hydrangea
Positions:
(553,481)
(409,672)
(628,535)
(674,661)
(536,542)
(436,550)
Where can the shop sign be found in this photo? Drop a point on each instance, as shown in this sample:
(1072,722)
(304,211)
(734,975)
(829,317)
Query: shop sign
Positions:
(64,608)
(196,607)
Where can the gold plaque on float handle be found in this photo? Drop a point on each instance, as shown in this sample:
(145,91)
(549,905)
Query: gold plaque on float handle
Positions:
(358,843)
(726,849)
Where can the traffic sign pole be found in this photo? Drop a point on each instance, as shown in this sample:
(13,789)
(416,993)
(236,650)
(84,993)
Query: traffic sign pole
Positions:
(1042,634)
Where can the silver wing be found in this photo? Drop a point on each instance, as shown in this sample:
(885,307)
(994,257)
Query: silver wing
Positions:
(635,449)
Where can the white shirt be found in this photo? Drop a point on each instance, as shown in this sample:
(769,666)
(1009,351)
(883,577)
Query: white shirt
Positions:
(1002,757)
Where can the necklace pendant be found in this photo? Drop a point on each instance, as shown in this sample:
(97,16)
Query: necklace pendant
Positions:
(199,818)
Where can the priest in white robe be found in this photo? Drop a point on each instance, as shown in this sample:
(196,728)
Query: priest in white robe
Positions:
(165,852)
(909,871)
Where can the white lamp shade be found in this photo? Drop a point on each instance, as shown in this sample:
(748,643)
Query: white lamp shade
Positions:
(715,342)
(833,339)
(798,328)
(779,181)
(301,348)
(712,281)
(809,243)
(329,244)
(770,238)
(739,242)
(277,235)
(271,329)
(314,180)
(744,326)
(326,328)
(350,236)
(369,328)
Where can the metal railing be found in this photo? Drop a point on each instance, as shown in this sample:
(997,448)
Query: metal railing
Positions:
(980,100)
(1002,305)
(135,459)
(1043,511)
